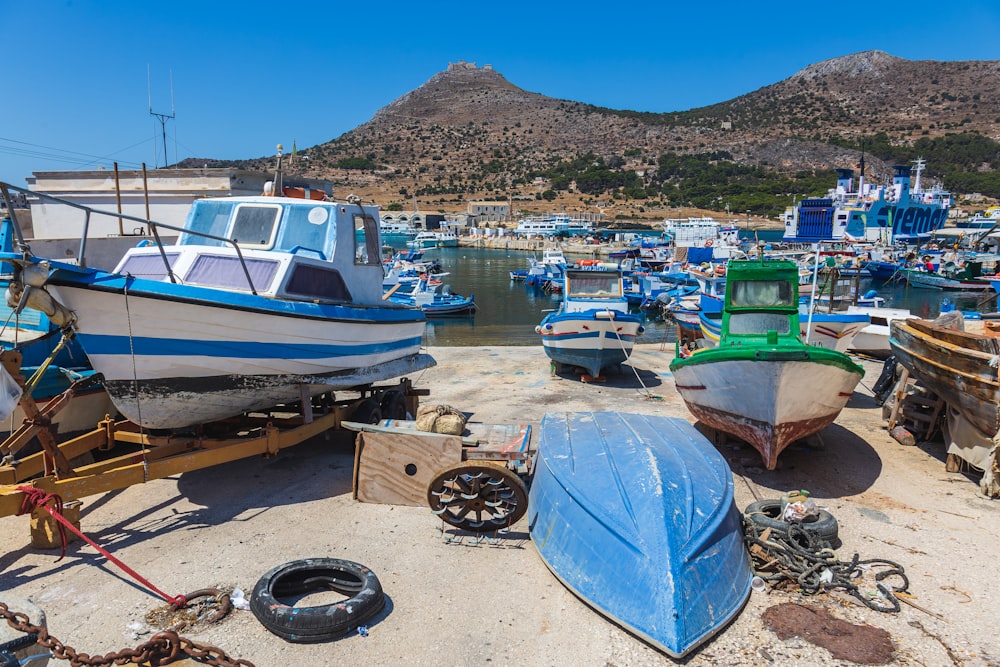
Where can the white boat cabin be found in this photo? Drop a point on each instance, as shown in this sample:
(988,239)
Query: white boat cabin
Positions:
(294,249)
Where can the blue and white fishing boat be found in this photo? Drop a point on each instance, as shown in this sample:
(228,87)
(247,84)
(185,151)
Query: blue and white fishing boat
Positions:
(262,300)
(436,300)
(635,515)
(878,213)
(592,328)
(50,365)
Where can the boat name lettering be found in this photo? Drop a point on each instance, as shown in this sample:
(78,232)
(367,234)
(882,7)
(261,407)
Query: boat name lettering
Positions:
(911,221)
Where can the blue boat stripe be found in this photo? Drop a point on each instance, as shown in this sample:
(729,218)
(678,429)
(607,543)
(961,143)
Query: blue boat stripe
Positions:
(150,347)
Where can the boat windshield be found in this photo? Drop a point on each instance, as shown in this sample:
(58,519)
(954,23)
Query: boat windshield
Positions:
(207,217)
(595,284)
(761,293)
(758,323)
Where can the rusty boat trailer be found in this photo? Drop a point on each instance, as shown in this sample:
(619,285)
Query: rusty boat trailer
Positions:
(152,455)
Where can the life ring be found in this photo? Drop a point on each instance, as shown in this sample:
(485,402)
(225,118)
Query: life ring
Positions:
(304,193)
(720,270)
(708,243)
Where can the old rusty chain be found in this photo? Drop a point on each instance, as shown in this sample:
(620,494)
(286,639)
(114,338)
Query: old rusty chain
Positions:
(161,649)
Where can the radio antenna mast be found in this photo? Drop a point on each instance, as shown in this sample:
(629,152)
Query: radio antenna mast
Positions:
(162,117)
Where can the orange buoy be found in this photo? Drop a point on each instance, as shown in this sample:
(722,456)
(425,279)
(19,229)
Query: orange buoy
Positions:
(304,193)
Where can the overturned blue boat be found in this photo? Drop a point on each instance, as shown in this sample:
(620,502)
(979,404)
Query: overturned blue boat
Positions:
(635,515)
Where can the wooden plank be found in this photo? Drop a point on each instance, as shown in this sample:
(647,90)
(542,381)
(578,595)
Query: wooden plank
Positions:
(900,393)
(396,468)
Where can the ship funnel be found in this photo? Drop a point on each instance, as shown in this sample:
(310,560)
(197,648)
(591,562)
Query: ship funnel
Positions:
(901,174)
(845,180)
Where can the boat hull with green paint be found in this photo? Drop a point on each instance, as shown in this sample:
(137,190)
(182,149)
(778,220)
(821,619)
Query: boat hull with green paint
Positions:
(762,383)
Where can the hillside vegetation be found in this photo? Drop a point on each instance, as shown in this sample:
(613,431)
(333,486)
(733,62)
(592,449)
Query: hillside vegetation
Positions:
(468,134)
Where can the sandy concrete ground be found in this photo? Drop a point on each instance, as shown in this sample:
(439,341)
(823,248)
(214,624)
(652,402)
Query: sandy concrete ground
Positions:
(464,603)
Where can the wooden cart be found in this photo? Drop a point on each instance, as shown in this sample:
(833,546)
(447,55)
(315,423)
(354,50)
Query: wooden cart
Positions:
(474,482)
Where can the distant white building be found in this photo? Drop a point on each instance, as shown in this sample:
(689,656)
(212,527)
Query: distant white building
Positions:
(488,211)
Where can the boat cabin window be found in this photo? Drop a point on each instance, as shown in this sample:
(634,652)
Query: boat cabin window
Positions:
(150,267)
(255,225)
(759,323)
(309,230)
(207,217)
(595,285)
(226,272)
(317,282)
(366,245)
(761,293)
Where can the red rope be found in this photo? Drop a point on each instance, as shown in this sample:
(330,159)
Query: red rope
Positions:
(34,497)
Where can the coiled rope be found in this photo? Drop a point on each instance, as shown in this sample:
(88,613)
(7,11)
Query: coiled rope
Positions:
(808,560)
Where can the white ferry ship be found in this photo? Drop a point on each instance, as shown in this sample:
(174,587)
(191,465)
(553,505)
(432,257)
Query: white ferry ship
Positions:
(552,225)
(878,213)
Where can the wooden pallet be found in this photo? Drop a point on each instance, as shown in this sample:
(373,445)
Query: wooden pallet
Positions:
(918,410)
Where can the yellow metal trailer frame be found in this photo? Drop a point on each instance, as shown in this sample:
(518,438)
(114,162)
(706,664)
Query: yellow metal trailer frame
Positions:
(159,456)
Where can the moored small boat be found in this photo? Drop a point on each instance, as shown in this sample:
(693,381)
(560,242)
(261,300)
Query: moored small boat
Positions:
(592,328)
(949,277)
(834,331)
(635,515)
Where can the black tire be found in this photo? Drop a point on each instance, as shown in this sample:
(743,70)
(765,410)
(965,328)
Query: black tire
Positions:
(306,625)
(765,513)
(393,405)
(369,412)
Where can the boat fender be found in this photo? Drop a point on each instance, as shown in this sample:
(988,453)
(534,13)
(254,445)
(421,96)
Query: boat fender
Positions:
(886,381)
(316,624)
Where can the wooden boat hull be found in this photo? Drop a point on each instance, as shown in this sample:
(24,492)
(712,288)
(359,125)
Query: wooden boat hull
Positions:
(635,515)
(767,397)
(958,366)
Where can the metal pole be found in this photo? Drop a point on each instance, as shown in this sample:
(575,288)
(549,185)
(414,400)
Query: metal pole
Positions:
(812,298)
(145,192)
(118,199)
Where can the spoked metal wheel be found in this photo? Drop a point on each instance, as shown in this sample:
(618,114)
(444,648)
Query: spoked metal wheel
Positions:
(478,497)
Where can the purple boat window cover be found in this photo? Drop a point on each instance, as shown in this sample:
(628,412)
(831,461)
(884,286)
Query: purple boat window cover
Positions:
(226,272)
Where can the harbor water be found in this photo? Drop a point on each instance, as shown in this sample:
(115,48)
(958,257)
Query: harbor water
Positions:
(508,311)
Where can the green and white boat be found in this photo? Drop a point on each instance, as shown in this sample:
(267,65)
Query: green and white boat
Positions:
(762,383)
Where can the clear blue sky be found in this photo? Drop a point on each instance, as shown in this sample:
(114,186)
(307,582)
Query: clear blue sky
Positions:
(250,75)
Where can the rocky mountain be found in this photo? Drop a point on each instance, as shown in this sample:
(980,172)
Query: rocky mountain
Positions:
(468,133)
